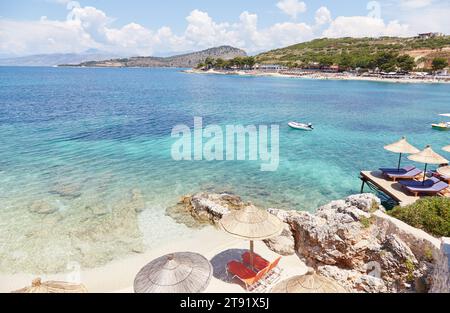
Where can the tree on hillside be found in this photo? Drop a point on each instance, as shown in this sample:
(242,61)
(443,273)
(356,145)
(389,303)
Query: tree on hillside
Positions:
(220,63)
(250,62)
(291,64)
(200,65)
(326,60)
(386,61)
(345,61)
(209,62)
(439,64)
(365,61)
(406,63)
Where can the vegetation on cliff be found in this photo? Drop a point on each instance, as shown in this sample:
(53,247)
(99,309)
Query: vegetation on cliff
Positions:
(220,63)
(429,214)
(390,53)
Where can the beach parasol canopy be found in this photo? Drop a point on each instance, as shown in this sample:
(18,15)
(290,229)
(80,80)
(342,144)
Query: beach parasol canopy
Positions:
(309,283)
(447,148)
(427,156)
(252,224)
(37,286)
(181,272)
(444,171)
(402,147)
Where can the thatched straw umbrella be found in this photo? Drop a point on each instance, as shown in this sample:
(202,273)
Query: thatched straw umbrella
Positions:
(309,283)
(444,171)
(427,156)
(402,147)
(251,224)
(37,286)
(181,272)
(446,149)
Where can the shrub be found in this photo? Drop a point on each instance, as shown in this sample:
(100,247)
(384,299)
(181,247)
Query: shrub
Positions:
(410,267)
(429,214)
(366,222)
(428,254)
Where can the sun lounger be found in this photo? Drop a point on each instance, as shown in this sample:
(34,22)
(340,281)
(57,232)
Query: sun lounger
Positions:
(259,263)
(423,184)
(429,190)
(402,170)
(250,278)
(408,175)
(441,177)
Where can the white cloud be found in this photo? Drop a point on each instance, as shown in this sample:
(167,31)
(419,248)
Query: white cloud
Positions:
(43,36)
(432,18)
(88,27)
(292,7)
(203,30)
(365,26)
(323,16)
(415,4)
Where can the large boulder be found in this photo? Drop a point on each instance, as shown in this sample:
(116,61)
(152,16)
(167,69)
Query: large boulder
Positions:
(205,208)
(283,244)
(353,280)
(366,202)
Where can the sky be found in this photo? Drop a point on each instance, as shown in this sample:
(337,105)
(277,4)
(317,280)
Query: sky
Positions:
(164,27)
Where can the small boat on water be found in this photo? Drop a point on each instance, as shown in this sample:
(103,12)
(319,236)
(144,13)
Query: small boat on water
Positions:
(444,126)
(441,126)
(301,126)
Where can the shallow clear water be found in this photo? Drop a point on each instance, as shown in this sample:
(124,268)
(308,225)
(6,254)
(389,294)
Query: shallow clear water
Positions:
(84,138)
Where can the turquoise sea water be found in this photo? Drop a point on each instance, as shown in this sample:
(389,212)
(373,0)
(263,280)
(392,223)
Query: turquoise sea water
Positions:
(79,138)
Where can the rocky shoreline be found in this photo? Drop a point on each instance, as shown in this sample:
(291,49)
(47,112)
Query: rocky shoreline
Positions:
(352,241)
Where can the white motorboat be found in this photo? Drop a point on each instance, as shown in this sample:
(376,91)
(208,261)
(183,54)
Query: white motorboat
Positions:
(444,125)
(301,126)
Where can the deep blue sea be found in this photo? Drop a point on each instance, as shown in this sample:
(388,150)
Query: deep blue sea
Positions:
(77,138)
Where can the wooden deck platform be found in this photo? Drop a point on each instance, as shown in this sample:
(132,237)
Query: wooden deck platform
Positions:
(392,189)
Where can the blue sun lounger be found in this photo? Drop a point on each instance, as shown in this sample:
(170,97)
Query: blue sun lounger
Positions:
(433,190)
(408,175)
(420,184)
(402,170)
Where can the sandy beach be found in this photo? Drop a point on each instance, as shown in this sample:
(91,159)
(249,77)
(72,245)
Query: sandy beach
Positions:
(321,76)
(118,276)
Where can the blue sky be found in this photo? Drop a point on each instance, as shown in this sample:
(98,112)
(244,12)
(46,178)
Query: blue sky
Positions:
(163,27)
(155,14)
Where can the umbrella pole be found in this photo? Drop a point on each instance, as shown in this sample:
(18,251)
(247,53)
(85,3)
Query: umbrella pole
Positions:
(424,174)
(399,161)
(251,253)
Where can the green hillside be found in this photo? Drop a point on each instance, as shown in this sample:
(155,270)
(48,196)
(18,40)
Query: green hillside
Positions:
(360,52)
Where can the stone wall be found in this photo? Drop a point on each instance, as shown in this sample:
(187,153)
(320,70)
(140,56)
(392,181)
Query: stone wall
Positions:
(422,244)
(441,274)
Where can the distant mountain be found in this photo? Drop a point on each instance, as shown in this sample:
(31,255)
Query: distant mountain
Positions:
(183,60)
(56,58)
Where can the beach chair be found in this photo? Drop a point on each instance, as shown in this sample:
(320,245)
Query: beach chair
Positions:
(402,170)
(432,190)
(259,263)
(441,177)
(416,183)
(251,279)
(408,175)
